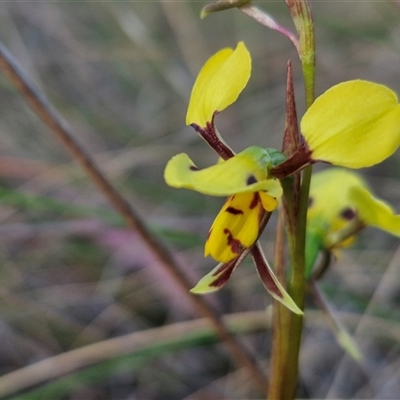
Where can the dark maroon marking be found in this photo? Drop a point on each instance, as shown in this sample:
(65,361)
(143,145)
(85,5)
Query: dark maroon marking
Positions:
(255,200)
(234,211)
(298,160)
(209,234)
(251,179)
(225,275)
(264,273)
(221,268)
(266,278)
(233,243)
(348,214)
(193,168)
(310,201)
(209,134)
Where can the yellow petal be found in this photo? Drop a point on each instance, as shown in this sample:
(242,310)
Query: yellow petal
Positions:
(374,212)
(354,124)
(329,194)
(337,193)
(245,172)
(235,228)
(269,203)
(219,83)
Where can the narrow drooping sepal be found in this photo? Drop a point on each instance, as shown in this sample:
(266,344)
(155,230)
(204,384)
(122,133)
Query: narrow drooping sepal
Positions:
(217,277)
(245,172)
(218,85)
(271,282)
(354,124)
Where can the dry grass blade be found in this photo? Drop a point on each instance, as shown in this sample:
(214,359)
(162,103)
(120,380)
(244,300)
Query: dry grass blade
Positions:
(71,361)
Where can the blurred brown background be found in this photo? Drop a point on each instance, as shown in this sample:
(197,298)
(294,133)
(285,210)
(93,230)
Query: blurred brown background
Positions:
(71,273)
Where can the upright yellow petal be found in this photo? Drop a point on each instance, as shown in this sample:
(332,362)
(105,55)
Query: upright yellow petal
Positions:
(354,124)
(235,227)
(245,172)
(219,83)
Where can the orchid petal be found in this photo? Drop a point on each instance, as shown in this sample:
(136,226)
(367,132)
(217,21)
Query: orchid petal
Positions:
(329,194)
(219,84)
(271,282)
(375,212)
(354,124)
(235,228)
(245,172)
(338,195)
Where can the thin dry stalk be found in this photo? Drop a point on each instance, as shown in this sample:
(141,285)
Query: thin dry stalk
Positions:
(63,131)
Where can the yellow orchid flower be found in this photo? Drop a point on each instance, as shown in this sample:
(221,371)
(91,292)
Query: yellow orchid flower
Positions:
(252,192)
(339,197)
(354,124)
(245,179)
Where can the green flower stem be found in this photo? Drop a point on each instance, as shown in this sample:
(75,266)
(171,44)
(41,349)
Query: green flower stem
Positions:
(280,318)
(288,327)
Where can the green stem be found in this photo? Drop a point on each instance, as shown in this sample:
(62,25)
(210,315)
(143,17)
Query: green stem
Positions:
(297,286)
(280,322)
(288,327)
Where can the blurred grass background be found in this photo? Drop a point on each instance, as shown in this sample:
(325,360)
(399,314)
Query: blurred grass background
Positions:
(72,274)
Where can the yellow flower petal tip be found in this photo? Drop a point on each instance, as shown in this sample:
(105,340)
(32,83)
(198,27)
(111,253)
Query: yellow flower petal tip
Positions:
(375,212)
(289,303)
(215,279)
(218,85)
(285,299)
(354,124)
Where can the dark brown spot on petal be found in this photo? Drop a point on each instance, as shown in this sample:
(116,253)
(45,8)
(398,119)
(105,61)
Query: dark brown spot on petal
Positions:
(193,168)
(348,214)
(255,200)
(234,211)
(235,245)
(251,179)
